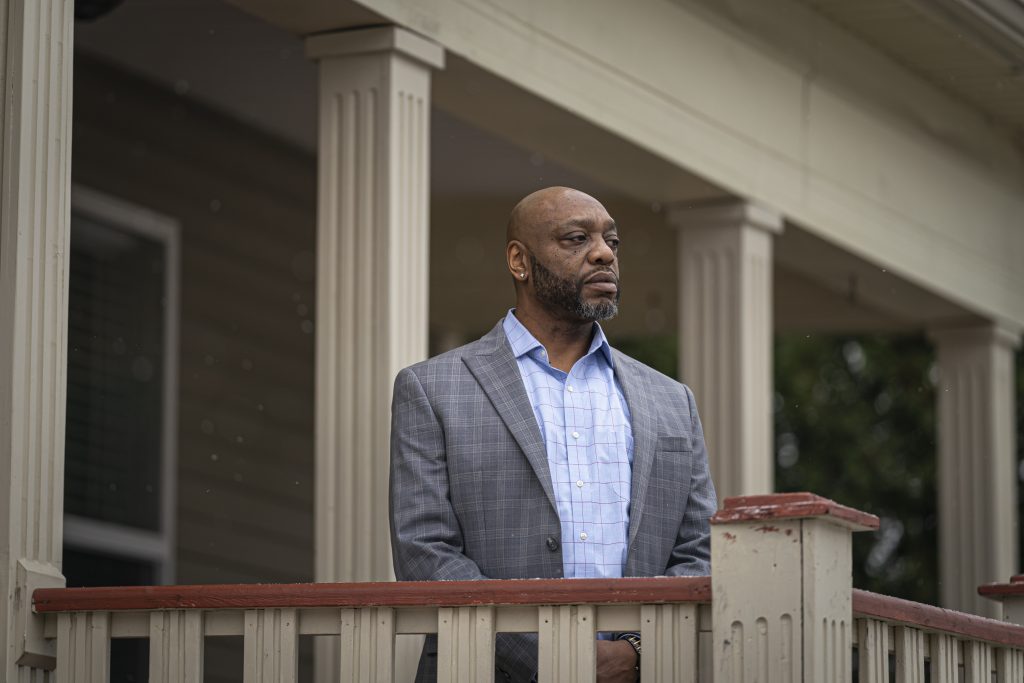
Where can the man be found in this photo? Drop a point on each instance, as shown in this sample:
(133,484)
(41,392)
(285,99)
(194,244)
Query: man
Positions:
(540,451)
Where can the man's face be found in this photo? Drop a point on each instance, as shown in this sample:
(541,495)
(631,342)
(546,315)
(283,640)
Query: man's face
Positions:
(575,266)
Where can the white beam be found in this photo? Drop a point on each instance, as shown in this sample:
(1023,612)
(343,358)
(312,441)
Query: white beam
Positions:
(725,336)
(35,119)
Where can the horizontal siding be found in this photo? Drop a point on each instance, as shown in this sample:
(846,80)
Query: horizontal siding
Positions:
(246,204)
(246,476)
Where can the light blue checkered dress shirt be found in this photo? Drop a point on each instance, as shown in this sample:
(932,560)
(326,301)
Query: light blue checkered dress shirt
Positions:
(585,424)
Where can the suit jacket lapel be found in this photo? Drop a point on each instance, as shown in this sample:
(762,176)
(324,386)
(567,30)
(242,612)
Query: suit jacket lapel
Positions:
(497,371)
(642,418)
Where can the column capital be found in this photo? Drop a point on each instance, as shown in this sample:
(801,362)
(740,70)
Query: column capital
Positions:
(377,39)
(980,333)
(723,213)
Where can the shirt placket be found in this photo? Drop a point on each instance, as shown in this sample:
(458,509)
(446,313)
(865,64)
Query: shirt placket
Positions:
(578,436)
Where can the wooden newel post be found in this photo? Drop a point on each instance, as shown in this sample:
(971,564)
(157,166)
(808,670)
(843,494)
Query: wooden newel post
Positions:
(1011,595)
(781,580)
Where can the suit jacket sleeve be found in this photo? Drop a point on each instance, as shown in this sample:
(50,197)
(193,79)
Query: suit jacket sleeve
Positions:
(426,539)
(691,555)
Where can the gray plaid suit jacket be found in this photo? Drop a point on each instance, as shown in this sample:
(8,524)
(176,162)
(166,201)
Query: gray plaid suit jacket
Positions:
(471,494)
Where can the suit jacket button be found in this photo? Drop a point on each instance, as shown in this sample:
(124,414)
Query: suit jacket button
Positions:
(552,544)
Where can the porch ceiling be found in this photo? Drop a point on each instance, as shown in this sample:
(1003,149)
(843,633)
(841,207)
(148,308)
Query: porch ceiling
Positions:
(971,48)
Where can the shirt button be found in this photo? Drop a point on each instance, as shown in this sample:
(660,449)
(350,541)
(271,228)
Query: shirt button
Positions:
(583,535)
(570,389)
(575,435)
(552,543)
(579,483)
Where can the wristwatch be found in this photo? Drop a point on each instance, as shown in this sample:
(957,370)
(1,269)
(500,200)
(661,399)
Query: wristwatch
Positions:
(634,640)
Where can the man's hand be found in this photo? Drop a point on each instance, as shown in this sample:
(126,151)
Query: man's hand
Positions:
(616,662)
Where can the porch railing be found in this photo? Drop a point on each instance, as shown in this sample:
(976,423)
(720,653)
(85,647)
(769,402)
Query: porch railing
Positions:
(950,646)
(779,607)
(466,616)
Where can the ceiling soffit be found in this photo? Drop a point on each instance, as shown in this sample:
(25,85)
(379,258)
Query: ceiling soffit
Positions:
(973,49)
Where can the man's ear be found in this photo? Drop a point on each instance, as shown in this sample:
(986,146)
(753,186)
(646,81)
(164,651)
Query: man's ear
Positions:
(517,258)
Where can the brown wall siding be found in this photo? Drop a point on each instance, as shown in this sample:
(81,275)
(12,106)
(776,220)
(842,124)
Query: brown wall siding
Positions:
(246,205)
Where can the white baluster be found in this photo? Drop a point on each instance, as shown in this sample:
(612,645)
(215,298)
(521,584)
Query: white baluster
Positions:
(566,647)
(873,650)
(909,655)
(1009,666)
(669,635)
(977,662)
(83,647)
(945,658)
(367,645)
(176,646)
(271,641)
(465,644)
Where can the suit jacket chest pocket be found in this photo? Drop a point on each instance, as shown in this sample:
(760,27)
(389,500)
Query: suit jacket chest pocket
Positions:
(673,464)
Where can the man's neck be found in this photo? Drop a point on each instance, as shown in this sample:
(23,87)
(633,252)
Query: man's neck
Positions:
(566,341)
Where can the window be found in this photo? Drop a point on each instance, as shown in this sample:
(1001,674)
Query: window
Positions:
(119,493)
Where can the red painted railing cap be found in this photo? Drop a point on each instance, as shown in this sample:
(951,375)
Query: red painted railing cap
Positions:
(998,591)
(792,506)
(930,618)
(644,590)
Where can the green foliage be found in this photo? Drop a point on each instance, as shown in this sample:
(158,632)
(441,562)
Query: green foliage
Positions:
(855,422)
(659,352)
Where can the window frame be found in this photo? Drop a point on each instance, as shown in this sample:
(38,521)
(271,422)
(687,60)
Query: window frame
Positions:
(87,534)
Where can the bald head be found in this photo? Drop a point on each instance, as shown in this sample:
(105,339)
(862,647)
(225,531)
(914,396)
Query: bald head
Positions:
(562,254)
(538,211)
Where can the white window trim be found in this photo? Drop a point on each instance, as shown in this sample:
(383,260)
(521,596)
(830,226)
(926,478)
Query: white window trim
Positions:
(158,547)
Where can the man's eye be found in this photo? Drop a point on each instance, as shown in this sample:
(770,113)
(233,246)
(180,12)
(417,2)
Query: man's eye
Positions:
(613,243)
(578,239)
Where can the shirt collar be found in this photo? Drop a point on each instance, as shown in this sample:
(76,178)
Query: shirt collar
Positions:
(523,342)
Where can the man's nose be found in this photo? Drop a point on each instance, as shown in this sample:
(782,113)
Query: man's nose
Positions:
(601,253)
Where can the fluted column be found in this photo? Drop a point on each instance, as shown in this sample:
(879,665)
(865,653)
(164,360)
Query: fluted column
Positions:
(372,282)
(725,335)
(977,470)
(35,119)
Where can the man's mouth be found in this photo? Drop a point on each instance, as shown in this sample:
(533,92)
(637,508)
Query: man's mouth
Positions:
(603,282)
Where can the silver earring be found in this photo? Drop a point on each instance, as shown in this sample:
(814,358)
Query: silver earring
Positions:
(522,275)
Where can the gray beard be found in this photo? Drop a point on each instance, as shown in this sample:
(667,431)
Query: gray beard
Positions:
(565,295)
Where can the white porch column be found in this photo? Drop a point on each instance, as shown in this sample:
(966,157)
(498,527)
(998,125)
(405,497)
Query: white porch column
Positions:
(372,282)
(725,336)
(35,177)
(977,470)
